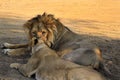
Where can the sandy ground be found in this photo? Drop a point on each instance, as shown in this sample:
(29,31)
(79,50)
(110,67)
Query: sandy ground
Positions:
(95,20)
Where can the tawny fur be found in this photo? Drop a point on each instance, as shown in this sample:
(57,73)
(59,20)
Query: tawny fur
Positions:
(46,65)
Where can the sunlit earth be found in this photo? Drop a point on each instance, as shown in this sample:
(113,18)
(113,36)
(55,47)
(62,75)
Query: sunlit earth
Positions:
(93,17)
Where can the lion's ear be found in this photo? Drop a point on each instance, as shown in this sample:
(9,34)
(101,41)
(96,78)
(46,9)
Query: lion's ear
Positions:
(44,14)
(44,17)
(39,17)
(50,19)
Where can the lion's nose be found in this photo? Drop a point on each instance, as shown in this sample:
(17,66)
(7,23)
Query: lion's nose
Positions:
(38,37)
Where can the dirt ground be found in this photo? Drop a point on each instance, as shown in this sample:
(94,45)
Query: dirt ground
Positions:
(95,20)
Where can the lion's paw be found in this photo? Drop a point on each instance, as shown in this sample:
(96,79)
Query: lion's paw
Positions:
(4,45)
(10,52)
(14,65)
(5,48)
(6,51)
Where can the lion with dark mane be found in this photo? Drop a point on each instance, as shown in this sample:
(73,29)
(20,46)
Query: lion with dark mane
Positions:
(67,44)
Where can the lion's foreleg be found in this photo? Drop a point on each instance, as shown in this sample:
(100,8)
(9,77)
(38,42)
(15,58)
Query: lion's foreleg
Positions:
(16,52)
(21,67)
(13,46)
(27,69)
(15,49)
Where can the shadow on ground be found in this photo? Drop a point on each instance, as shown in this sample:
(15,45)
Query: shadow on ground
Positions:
(11,31)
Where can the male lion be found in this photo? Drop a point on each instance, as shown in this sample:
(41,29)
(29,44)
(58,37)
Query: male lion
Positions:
(68,45)
(46,65)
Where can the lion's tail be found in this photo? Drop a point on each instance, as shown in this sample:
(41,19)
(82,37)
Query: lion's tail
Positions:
(104,70)
(102,66)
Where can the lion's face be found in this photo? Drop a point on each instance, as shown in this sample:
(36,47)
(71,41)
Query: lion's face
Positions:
(39,31)
(42,27)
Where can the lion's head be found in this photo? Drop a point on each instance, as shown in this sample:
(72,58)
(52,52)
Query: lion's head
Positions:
(44,26)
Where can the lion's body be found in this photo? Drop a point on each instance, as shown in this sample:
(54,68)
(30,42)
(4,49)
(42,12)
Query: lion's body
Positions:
(46,64)
(66,43)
